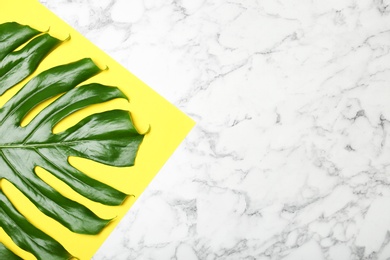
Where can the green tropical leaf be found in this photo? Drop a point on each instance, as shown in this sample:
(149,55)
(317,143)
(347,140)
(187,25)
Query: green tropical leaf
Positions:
(108,137)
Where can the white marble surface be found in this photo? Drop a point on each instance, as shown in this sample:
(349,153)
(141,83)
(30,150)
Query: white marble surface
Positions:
(290,157)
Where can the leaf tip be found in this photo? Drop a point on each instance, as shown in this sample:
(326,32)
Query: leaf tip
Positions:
(67,38)
(147,130)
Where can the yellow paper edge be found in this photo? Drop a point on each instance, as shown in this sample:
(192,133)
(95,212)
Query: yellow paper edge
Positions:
(169,126)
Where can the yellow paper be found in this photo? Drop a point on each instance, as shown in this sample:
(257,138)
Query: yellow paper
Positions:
(168,127)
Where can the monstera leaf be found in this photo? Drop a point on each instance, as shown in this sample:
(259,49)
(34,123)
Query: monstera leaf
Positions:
(109,138)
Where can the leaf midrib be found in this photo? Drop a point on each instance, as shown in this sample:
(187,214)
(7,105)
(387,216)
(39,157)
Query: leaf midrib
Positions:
(39,145)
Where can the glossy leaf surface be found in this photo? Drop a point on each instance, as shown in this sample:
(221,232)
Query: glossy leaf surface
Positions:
(109,138)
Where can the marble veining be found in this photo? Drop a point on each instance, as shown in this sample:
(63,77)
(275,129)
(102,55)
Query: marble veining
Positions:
(290,157)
